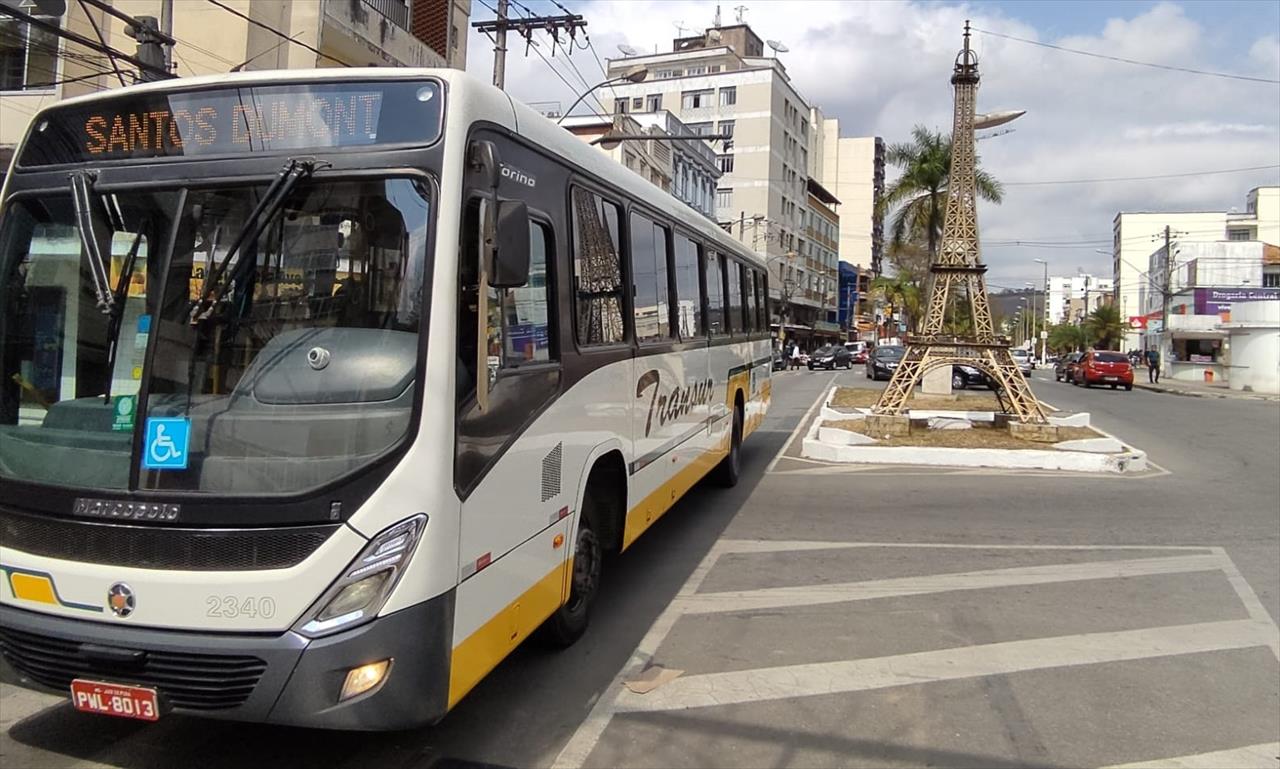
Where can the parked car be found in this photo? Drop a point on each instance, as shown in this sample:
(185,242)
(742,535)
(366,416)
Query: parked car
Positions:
(963,377)
(1104,368)
(779,360)
(883,360)
(1023,359)
(1062,370)
(831,357)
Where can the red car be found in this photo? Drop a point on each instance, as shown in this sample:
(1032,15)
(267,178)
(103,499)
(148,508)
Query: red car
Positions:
(1100,367)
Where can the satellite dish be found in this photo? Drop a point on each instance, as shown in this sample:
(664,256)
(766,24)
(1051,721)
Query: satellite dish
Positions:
(628,50)
(993,119)
(777,46)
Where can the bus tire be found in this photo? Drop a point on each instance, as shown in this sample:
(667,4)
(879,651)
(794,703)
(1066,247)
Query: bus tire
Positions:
(569,622)
(730,468)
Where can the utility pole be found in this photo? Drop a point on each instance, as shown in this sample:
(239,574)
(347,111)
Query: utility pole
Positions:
(500,47)
(1165,285)
(525,26)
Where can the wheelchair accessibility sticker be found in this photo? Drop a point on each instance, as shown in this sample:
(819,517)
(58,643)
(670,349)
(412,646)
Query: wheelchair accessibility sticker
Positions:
(166,443)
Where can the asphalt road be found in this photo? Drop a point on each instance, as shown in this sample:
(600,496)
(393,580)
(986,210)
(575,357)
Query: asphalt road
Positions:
(869,616)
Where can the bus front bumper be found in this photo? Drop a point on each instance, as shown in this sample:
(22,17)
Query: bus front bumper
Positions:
(281,679)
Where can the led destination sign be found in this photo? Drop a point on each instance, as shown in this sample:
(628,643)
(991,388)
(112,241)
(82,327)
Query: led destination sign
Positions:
(229,121)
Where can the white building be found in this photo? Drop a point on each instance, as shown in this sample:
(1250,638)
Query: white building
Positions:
(1136,234)
(720,82)
(1071,297)
(650,159)
(695,171)
(853,169)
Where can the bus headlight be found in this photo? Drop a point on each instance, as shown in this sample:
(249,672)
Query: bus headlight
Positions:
(358,595)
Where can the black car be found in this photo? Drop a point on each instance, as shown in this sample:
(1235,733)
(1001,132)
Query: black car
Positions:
(831,357)
(963,377)
(883,360)
(1062,369)
(779,360)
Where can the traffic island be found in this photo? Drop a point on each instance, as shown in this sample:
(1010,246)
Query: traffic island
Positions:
(963,438)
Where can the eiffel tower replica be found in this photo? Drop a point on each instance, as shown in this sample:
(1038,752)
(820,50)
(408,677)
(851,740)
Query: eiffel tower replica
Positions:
(958,268)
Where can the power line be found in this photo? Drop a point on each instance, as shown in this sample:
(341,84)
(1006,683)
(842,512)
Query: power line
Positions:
(1143,178)
(1128,61)
(277,32)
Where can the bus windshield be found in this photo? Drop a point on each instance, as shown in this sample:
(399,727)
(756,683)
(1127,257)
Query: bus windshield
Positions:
(301,371)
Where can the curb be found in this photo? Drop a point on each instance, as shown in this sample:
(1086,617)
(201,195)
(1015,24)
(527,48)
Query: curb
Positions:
(1231,395)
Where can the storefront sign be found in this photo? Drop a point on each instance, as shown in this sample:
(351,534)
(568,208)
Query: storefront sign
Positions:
(1137,322)
(1214,301)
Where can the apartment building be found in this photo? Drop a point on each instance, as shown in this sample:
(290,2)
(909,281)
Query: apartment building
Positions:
(37,67)
(1137,233)
(1072,297)
(695,170)
(853,168)
(818,251)
(720,82)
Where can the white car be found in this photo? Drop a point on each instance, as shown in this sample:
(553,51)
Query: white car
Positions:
(1023,359)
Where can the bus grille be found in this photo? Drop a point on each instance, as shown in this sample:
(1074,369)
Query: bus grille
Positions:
(158,547)
(193,681)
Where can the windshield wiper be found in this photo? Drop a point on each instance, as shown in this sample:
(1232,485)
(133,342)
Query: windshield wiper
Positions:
(118,299)
(272,199)
(82,200)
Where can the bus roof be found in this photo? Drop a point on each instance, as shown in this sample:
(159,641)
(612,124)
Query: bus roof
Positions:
(494,104)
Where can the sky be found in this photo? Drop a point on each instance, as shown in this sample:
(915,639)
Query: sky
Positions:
(1087,118)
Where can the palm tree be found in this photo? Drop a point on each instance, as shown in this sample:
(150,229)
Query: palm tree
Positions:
(1067,337)
(1104,326)
(902,292)
(920,194)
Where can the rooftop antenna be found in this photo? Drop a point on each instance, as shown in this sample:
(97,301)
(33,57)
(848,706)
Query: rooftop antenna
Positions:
(778,47)
(628,50)
(717,24)
(741,9)
(680,28)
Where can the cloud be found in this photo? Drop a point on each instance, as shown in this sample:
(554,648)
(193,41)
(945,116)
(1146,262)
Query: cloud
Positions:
(882,67)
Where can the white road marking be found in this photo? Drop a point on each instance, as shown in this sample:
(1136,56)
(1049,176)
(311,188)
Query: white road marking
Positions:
(1264,756)
(826,388)
(907,669)
(813,595)
(764,684)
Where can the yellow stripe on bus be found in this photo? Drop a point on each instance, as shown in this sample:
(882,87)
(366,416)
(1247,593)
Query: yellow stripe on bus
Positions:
(493,641)
(30,587)
(654,506)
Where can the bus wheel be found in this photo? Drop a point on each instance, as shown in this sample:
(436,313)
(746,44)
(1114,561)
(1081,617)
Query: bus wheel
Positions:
(730,467)
(569,622)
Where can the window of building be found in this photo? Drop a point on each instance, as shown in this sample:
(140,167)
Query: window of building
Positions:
(649,275)
(597,269)
(621,106)
(725,128)
(653,102)
(733,323)
(696,70)
(749,289)
(28,56)
(726,163)
(713,68)
(667,74)
(1238,233)
(697,99)
(724,197)
(688,295)
(702,129)
(728,96)
(637,103)
(714,281)
(1271,279)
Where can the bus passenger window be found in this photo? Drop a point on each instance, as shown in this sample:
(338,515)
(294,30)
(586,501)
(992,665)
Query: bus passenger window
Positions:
(715,296)
(735,324)
(525,330)
(762,304)
(688,302)
(597,270)
(649,272)
(749,275)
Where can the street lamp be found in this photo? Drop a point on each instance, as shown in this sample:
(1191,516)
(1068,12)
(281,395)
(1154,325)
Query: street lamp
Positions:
(1045,305)
(635,74)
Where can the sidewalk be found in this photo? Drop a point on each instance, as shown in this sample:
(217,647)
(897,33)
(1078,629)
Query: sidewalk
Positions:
(1198,390)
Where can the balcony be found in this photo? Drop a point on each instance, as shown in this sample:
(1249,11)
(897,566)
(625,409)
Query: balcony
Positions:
(372,32)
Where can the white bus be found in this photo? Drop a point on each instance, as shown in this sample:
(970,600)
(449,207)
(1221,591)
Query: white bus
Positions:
(321,391)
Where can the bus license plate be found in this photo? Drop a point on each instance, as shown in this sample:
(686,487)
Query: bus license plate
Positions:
(115,700)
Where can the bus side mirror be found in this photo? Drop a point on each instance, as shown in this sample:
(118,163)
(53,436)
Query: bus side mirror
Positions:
(510,265)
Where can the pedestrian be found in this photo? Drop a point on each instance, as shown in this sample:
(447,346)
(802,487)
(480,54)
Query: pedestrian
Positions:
(1153,367)
(795,356)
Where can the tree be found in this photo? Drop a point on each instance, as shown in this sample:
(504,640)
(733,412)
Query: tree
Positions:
(1105,327)
(920,194)
(1067,337)
(901,292)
